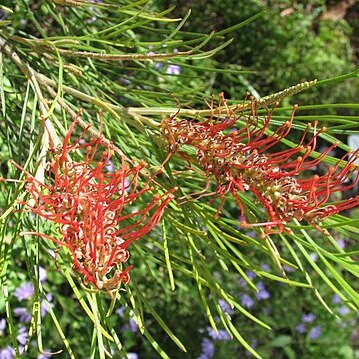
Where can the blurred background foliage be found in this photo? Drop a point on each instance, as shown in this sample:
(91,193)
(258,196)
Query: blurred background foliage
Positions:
(293,41)
(275,45)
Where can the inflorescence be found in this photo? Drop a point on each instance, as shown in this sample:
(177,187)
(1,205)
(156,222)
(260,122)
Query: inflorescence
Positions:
(99,212)
(246,159)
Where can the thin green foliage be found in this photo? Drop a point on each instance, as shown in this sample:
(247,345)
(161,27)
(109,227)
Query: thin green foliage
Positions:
(121,64)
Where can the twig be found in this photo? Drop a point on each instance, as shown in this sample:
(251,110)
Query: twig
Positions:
(121,57)
(129,116)
(136,116)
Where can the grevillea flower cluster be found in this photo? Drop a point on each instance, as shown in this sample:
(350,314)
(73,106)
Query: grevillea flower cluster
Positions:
(99,212)
(246,159)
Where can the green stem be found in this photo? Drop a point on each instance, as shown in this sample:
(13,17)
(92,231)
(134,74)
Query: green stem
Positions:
(136,116)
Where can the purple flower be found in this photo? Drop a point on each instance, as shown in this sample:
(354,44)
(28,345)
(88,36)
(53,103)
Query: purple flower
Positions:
(2,326)
(7,353)
(110,167)
(242,283)
(158,65)
(133,325)
(251,275)
(313,256)
(132,356)
(265,267)
(341,243)
(173,70)
(308,318)
(336,299)
(254,343)
(45,355)
(300,328)
(251,234)
(207,349)
(219,335)
(41,272)
(25,291)
(126,81)
(46,304)
(288,269)
(120,311)
(353,143)
(343,310)
(22,336)
(225,307)
(23,314)
(263,293)
(247,301)
(315,332)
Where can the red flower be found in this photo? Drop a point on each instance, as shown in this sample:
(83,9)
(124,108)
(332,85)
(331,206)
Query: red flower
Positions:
(100,213)
(240,160)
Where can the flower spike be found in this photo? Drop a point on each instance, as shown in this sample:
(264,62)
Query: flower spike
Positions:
(246,159)
(99,213)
